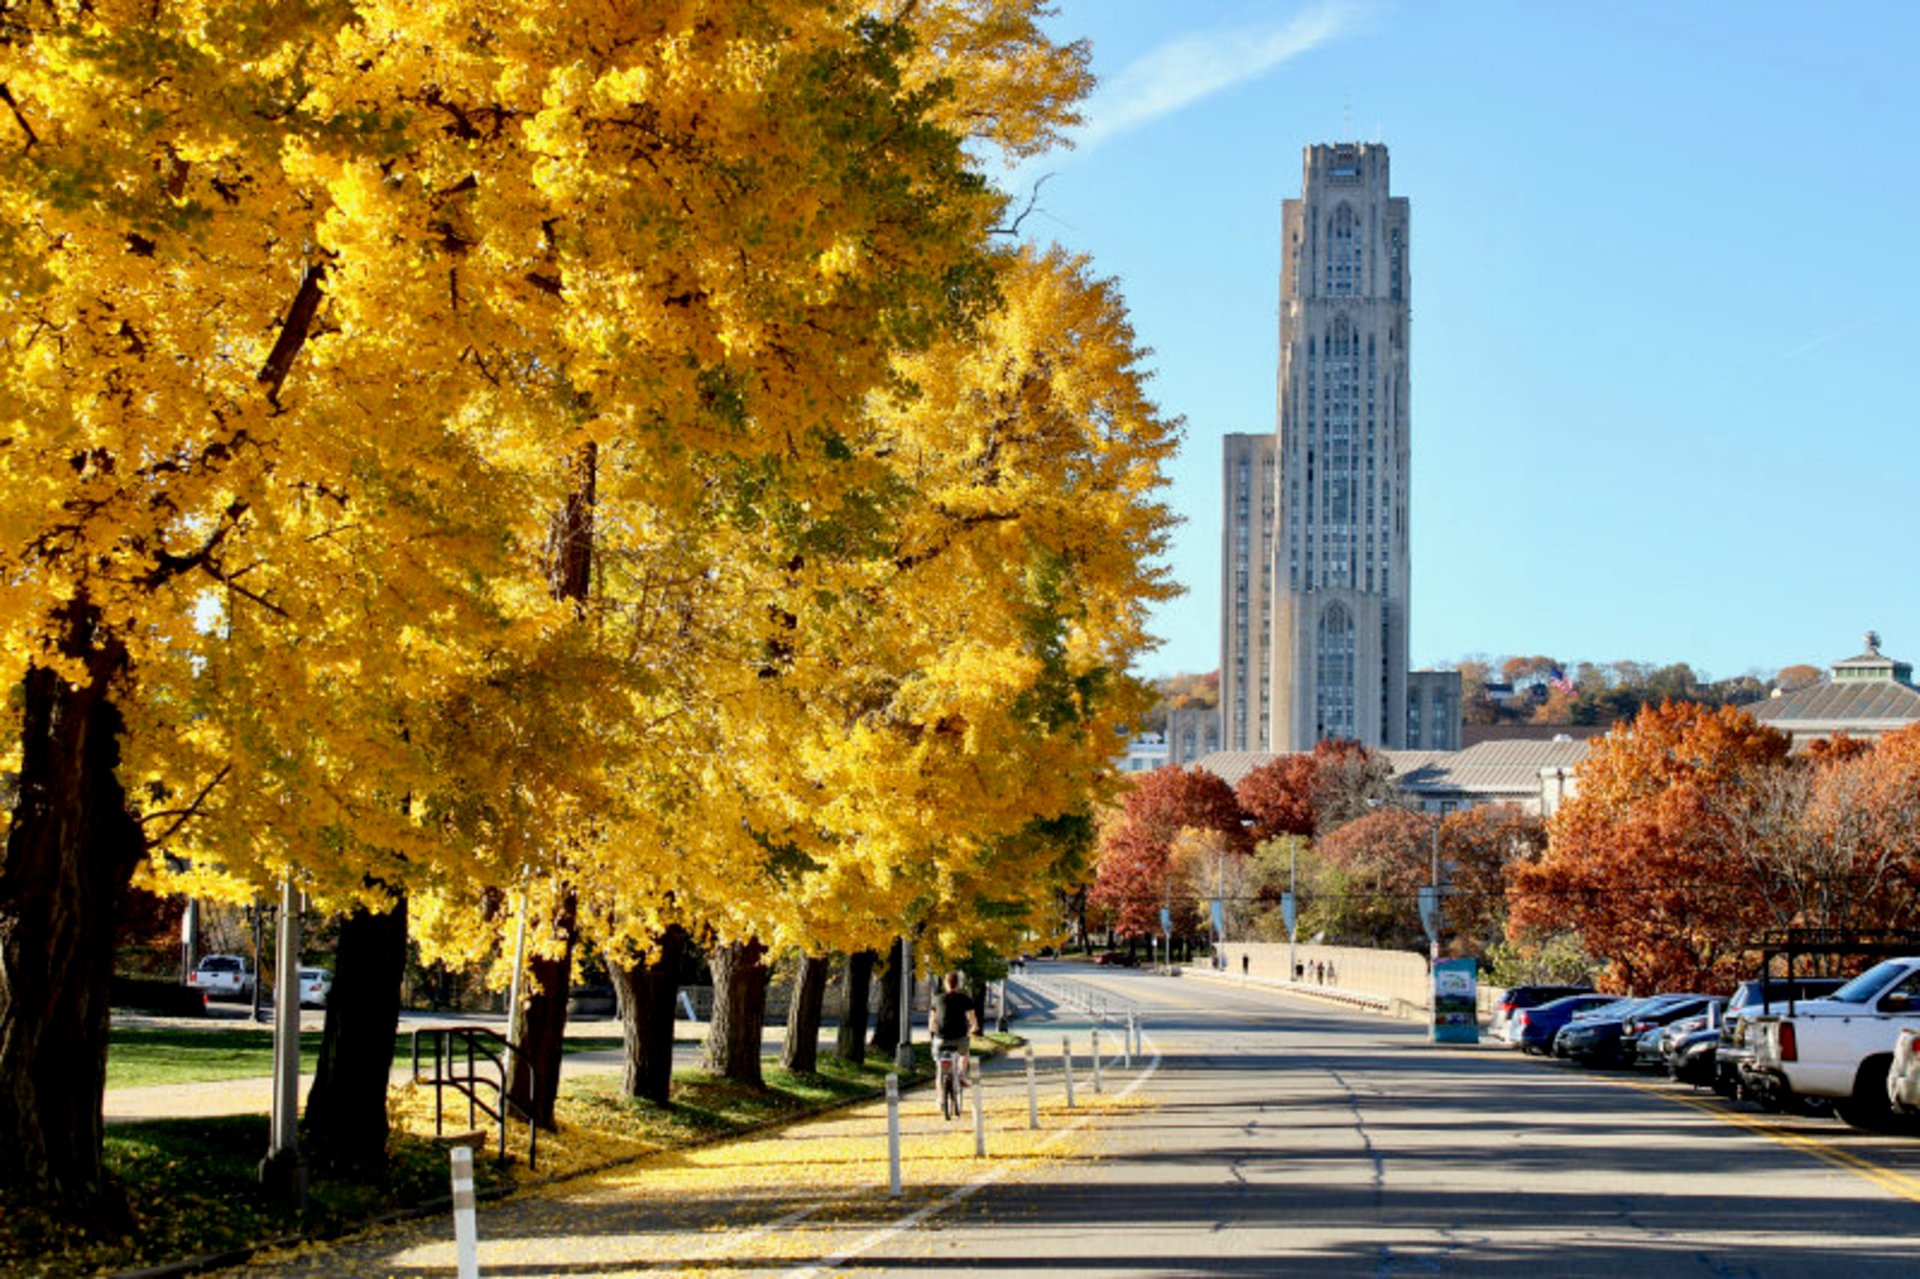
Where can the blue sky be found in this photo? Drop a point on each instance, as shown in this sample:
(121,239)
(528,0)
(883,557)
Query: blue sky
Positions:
(1665,298)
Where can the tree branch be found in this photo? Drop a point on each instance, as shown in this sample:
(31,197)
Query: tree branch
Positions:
(6,96)
(293,333)
(182,816)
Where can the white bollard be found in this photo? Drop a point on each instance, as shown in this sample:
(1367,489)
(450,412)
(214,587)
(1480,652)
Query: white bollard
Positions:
(1033,1091)
(893,1135)
(466,1240)
(979,1117)
(1066,1066)
(1128,1056)
(1096,1060)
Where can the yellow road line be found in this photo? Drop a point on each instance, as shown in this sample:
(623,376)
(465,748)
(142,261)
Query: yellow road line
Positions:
(1888,1179)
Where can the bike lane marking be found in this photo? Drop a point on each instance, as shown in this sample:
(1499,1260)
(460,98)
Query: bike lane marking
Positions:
(959,1194)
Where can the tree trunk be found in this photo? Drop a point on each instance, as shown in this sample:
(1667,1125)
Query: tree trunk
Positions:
(800,1051)
(543,1031)
(739,1011)
(69,856)
(886,1022)
(852,1040)
(646,994)
(346,1117)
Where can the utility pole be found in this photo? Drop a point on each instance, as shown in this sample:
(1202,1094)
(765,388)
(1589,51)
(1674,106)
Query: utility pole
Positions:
(1438,925)
(1293,905)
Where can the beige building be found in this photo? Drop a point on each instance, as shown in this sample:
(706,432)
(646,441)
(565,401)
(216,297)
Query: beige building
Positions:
(1246,594)
(1315,564)
(1534,776)
(1192,732)
(1863,697)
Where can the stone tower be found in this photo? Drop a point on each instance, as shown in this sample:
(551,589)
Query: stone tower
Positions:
(1323,648)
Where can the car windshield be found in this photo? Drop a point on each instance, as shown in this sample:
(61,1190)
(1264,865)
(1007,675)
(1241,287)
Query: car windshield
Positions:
(219,964)
(312,974)
(1872,982)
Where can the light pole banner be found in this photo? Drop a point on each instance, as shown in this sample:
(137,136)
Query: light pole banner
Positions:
(1456,1017)
(1290,911)
(1219,919)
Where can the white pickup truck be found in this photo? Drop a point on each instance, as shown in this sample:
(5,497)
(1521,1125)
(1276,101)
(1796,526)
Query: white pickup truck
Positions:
(222,977)
(1841,1047)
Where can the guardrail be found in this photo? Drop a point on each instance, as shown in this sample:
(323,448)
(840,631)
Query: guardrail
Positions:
(1095,1003)
(467,1073)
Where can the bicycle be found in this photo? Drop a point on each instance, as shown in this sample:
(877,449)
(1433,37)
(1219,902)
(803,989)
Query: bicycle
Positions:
(946,1066)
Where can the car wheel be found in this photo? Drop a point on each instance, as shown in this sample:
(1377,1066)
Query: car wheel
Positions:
(1869,1106)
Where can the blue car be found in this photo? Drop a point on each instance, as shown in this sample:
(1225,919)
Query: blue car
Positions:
(1534,1028)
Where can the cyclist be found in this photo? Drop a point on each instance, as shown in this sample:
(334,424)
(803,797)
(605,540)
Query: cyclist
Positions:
(952,1019)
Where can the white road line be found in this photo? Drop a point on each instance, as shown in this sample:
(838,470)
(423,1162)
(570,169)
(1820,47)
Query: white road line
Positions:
(963,1192)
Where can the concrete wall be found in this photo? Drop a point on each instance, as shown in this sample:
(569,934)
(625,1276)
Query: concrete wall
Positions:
(1397,977)
(1393,980)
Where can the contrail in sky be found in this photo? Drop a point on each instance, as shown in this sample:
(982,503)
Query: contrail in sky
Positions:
(1183,71)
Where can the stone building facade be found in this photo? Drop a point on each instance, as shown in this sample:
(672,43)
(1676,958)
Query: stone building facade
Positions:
(1315,556)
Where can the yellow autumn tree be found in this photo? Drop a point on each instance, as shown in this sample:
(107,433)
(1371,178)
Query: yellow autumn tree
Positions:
(317,312)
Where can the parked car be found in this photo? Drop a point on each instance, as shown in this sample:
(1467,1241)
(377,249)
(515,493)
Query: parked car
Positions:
(1751,999)
(1613,1039)
(222,977)
(315,985)
(1656,1043)
(1612,1008)
(1116,959)
(1532,1029)
(1692,1057)
(1903,1079)
(1516,998)
(1841,1047)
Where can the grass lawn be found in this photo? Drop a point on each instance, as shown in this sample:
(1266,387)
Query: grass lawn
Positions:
(137,1057)
(194,1189)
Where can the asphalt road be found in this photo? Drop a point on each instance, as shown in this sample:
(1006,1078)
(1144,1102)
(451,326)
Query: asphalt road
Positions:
(1262,1134)
(1289,1137)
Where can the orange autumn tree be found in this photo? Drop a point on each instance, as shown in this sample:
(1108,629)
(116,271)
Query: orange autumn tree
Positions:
(1639,862)
(1484,847)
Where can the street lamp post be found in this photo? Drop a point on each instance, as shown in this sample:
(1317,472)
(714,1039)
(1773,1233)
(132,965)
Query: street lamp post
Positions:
(1438,925)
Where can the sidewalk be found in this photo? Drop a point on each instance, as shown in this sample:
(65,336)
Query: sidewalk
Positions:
(809,1196)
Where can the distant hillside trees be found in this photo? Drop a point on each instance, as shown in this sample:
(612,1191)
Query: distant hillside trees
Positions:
(1539,689)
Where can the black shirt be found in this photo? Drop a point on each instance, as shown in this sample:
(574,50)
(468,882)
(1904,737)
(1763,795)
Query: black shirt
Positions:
(950,1009)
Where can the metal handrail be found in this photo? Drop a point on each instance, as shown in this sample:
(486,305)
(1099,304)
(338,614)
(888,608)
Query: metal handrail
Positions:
(1071,993)
(446,1042)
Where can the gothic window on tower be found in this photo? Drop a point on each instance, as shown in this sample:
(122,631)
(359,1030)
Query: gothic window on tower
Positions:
(1344,253)
(1333,692)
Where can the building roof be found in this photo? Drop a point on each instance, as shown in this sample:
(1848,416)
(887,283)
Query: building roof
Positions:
(1490,770)
(1829,707)
(1486,770)
(1871,693)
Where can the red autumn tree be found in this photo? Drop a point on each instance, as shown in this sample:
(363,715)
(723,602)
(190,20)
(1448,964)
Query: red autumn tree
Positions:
(1379,862)
(1314,792)
(1278,795)
(1133,876)
(1641,862)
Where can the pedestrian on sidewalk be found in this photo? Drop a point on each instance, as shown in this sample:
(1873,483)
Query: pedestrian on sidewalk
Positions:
(1243,965)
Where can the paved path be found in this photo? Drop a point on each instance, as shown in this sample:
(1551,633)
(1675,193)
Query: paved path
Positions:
(1271,1136)
(806,1199)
